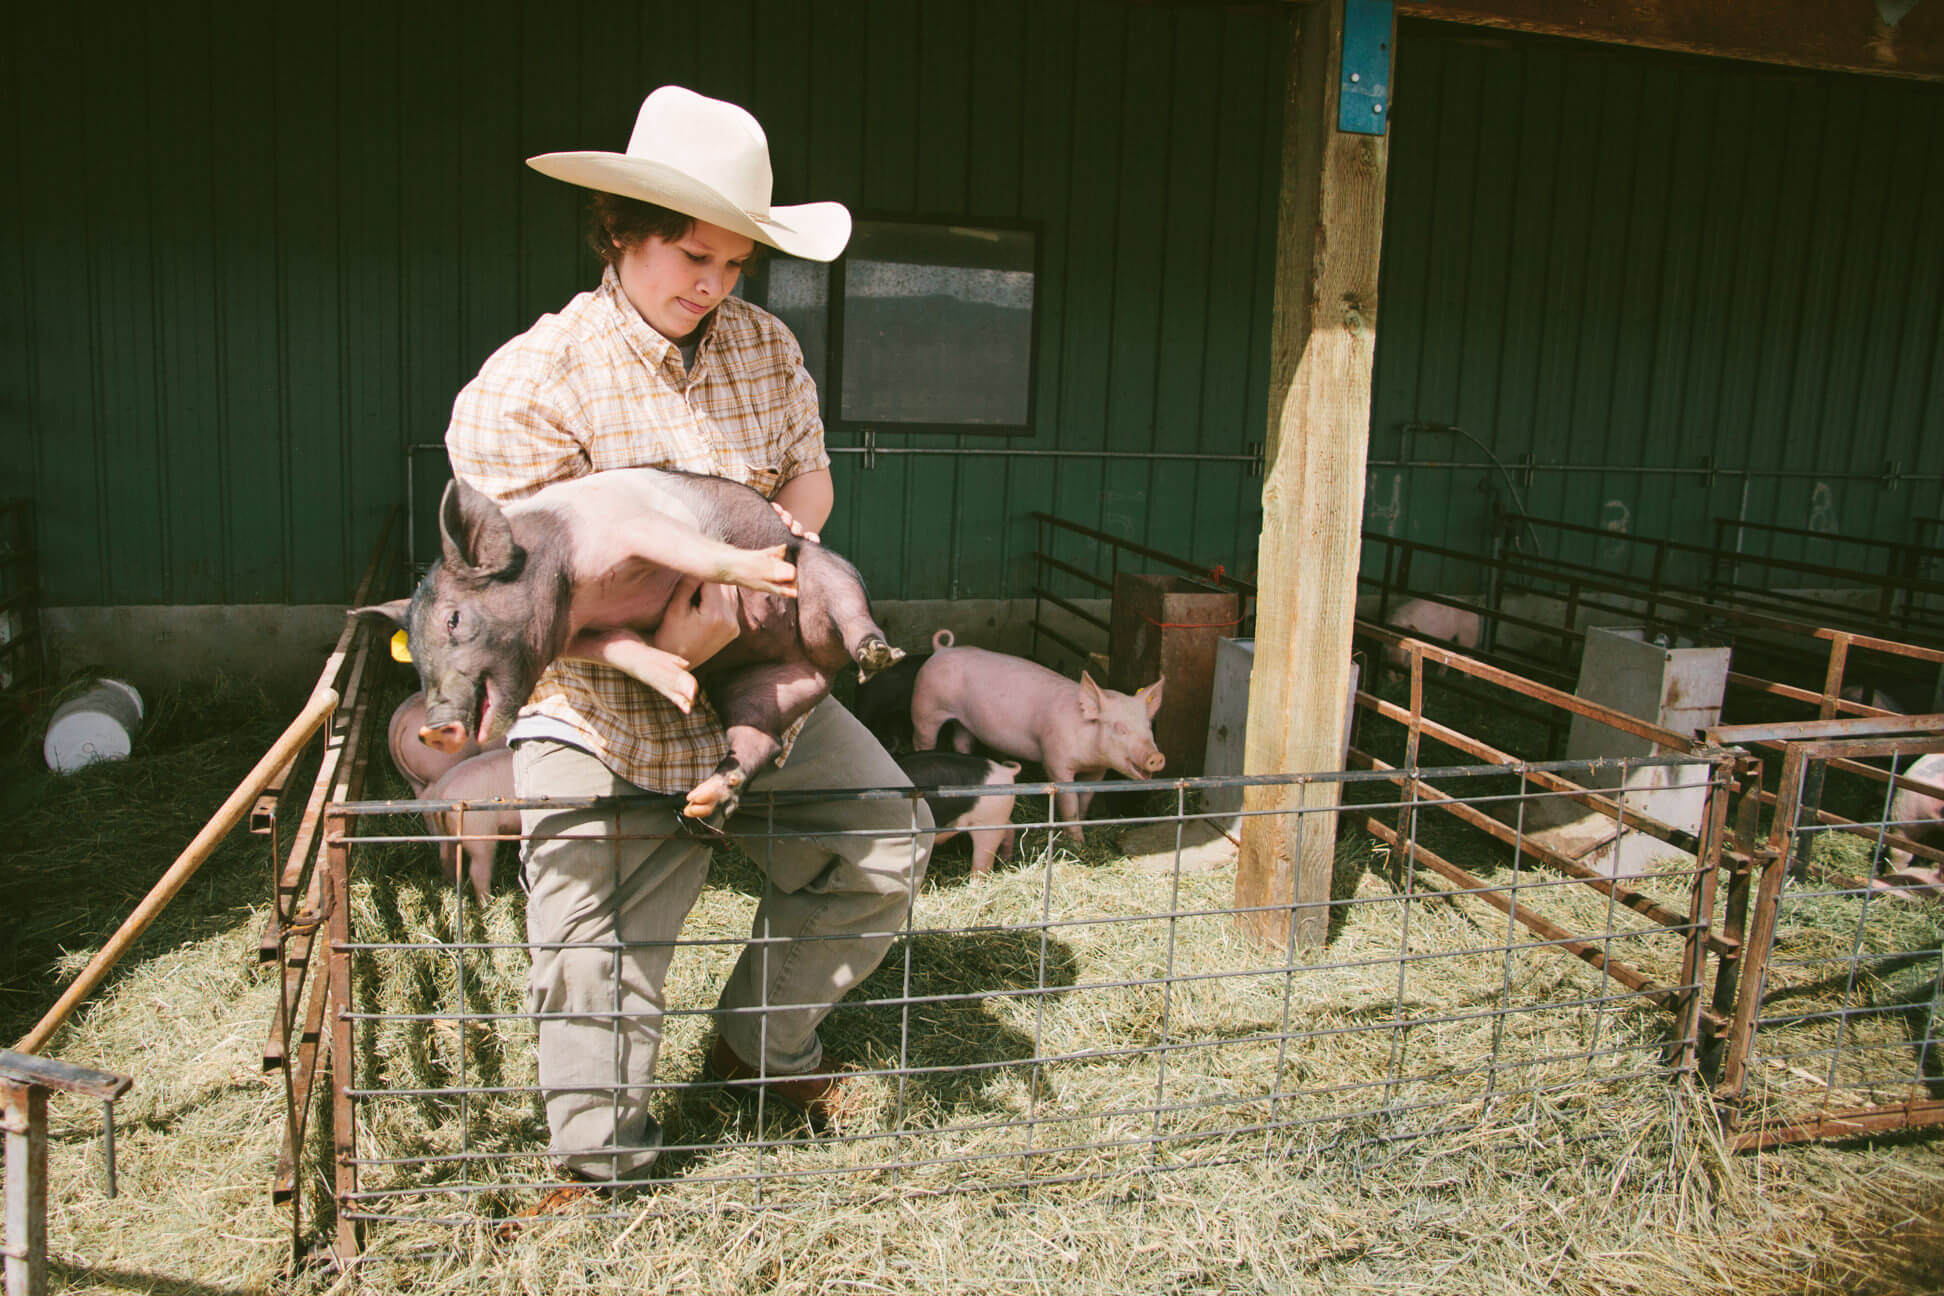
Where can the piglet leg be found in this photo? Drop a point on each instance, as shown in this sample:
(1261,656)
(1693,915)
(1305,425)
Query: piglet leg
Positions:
(675,545)
(1084,800)
(1067,805)
(834,610)
(986,843)
(632,655)
(757,705)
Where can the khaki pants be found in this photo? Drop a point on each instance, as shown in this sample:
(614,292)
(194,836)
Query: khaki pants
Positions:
(624,888)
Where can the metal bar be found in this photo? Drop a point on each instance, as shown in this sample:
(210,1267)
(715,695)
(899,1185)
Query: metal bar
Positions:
(25,1068)
(1761,934)
(1040,591)
(1566,788)
(344,779)
(1524,845)
(1854,1122)
(1812,781)
(364,809)
(24,1107)
(1016,993)
(1484,610)
(1221,580)
(1785,564)
(1531,688)
(344,1134)
(1830,748)
(1041,628)
(1070,569)
(1835,537)
(1655,470)
(1869,832)
(1554,934)
(1168,988)
(1067,1149)
(1130,1055)
(293,920)
(352,646)
(296,940)
(1872,726)
(989,450)
(1755,684)
(302,1080)
(1576,576)
(1701,907)
(303,844)
(1740,886)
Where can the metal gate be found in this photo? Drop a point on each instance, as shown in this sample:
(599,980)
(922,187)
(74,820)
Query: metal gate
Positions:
(1836,1025)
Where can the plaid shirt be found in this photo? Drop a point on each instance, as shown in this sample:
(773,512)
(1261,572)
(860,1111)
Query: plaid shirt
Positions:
(594,387)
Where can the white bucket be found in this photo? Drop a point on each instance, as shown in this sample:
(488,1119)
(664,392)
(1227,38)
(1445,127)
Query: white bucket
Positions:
(97,725)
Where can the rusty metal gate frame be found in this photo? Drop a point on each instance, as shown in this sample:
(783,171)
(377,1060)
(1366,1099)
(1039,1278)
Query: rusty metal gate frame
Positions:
(1772,861)
(1698,1022)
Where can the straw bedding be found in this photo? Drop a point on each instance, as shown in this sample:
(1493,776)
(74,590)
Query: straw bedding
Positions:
(1614,1186)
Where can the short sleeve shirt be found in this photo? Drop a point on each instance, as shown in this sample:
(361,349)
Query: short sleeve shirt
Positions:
(594,387)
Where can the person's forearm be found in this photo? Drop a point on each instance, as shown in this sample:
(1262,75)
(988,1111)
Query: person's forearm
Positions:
(809,498)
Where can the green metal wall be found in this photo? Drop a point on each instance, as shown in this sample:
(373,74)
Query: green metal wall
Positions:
(253,251)
(1614,261)
(249,257)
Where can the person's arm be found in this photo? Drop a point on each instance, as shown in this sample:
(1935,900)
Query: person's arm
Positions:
(512,429)
(808,494)
(808,498)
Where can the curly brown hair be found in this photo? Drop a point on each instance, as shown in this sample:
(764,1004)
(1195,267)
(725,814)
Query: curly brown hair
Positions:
(616,224)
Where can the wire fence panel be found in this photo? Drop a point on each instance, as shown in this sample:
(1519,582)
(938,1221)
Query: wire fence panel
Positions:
(1837,1032)
(1083,1011)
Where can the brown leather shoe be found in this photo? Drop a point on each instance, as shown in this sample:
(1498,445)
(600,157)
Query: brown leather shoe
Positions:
(819,1099)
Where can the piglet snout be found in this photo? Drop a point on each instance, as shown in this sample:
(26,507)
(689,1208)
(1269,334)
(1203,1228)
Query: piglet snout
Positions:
(1153,763)
(449,737)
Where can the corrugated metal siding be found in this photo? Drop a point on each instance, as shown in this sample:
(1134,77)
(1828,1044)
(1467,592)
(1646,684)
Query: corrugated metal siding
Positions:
(1613,260)
(252,257)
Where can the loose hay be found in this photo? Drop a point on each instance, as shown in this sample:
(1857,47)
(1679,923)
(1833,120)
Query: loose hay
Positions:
(82,849)
(1619,1186)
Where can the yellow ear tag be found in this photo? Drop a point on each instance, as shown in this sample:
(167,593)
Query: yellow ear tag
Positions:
(401,651)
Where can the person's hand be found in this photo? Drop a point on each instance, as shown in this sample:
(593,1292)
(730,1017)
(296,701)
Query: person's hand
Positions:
(796,527)
(699,621)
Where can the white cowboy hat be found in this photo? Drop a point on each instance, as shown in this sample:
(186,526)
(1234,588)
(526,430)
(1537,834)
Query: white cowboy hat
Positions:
(707,159)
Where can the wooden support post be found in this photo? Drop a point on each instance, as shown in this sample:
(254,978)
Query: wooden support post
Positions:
(1330,222)
(25,1106)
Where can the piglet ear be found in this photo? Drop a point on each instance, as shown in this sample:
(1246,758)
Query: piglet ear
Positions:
(397,612)
(1152,695)
(1090,700)
(474,533)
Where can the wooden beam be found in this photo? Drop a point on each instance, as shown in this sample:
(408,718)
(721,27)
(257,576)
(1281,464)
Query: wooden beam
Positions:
(1330,221)
(1829,35)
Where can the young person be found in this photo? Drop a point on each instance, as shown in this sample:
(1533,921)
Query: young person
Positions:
(660,366)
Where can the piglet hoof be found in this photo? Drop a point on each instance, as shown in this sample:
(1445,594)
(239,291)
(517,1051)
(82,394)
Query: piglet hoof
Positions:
(1911,883)
(714,798)
(874,655)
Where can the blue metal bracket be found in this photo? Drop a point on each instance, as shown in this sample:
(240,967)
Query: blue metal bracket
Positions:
(1363,96)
